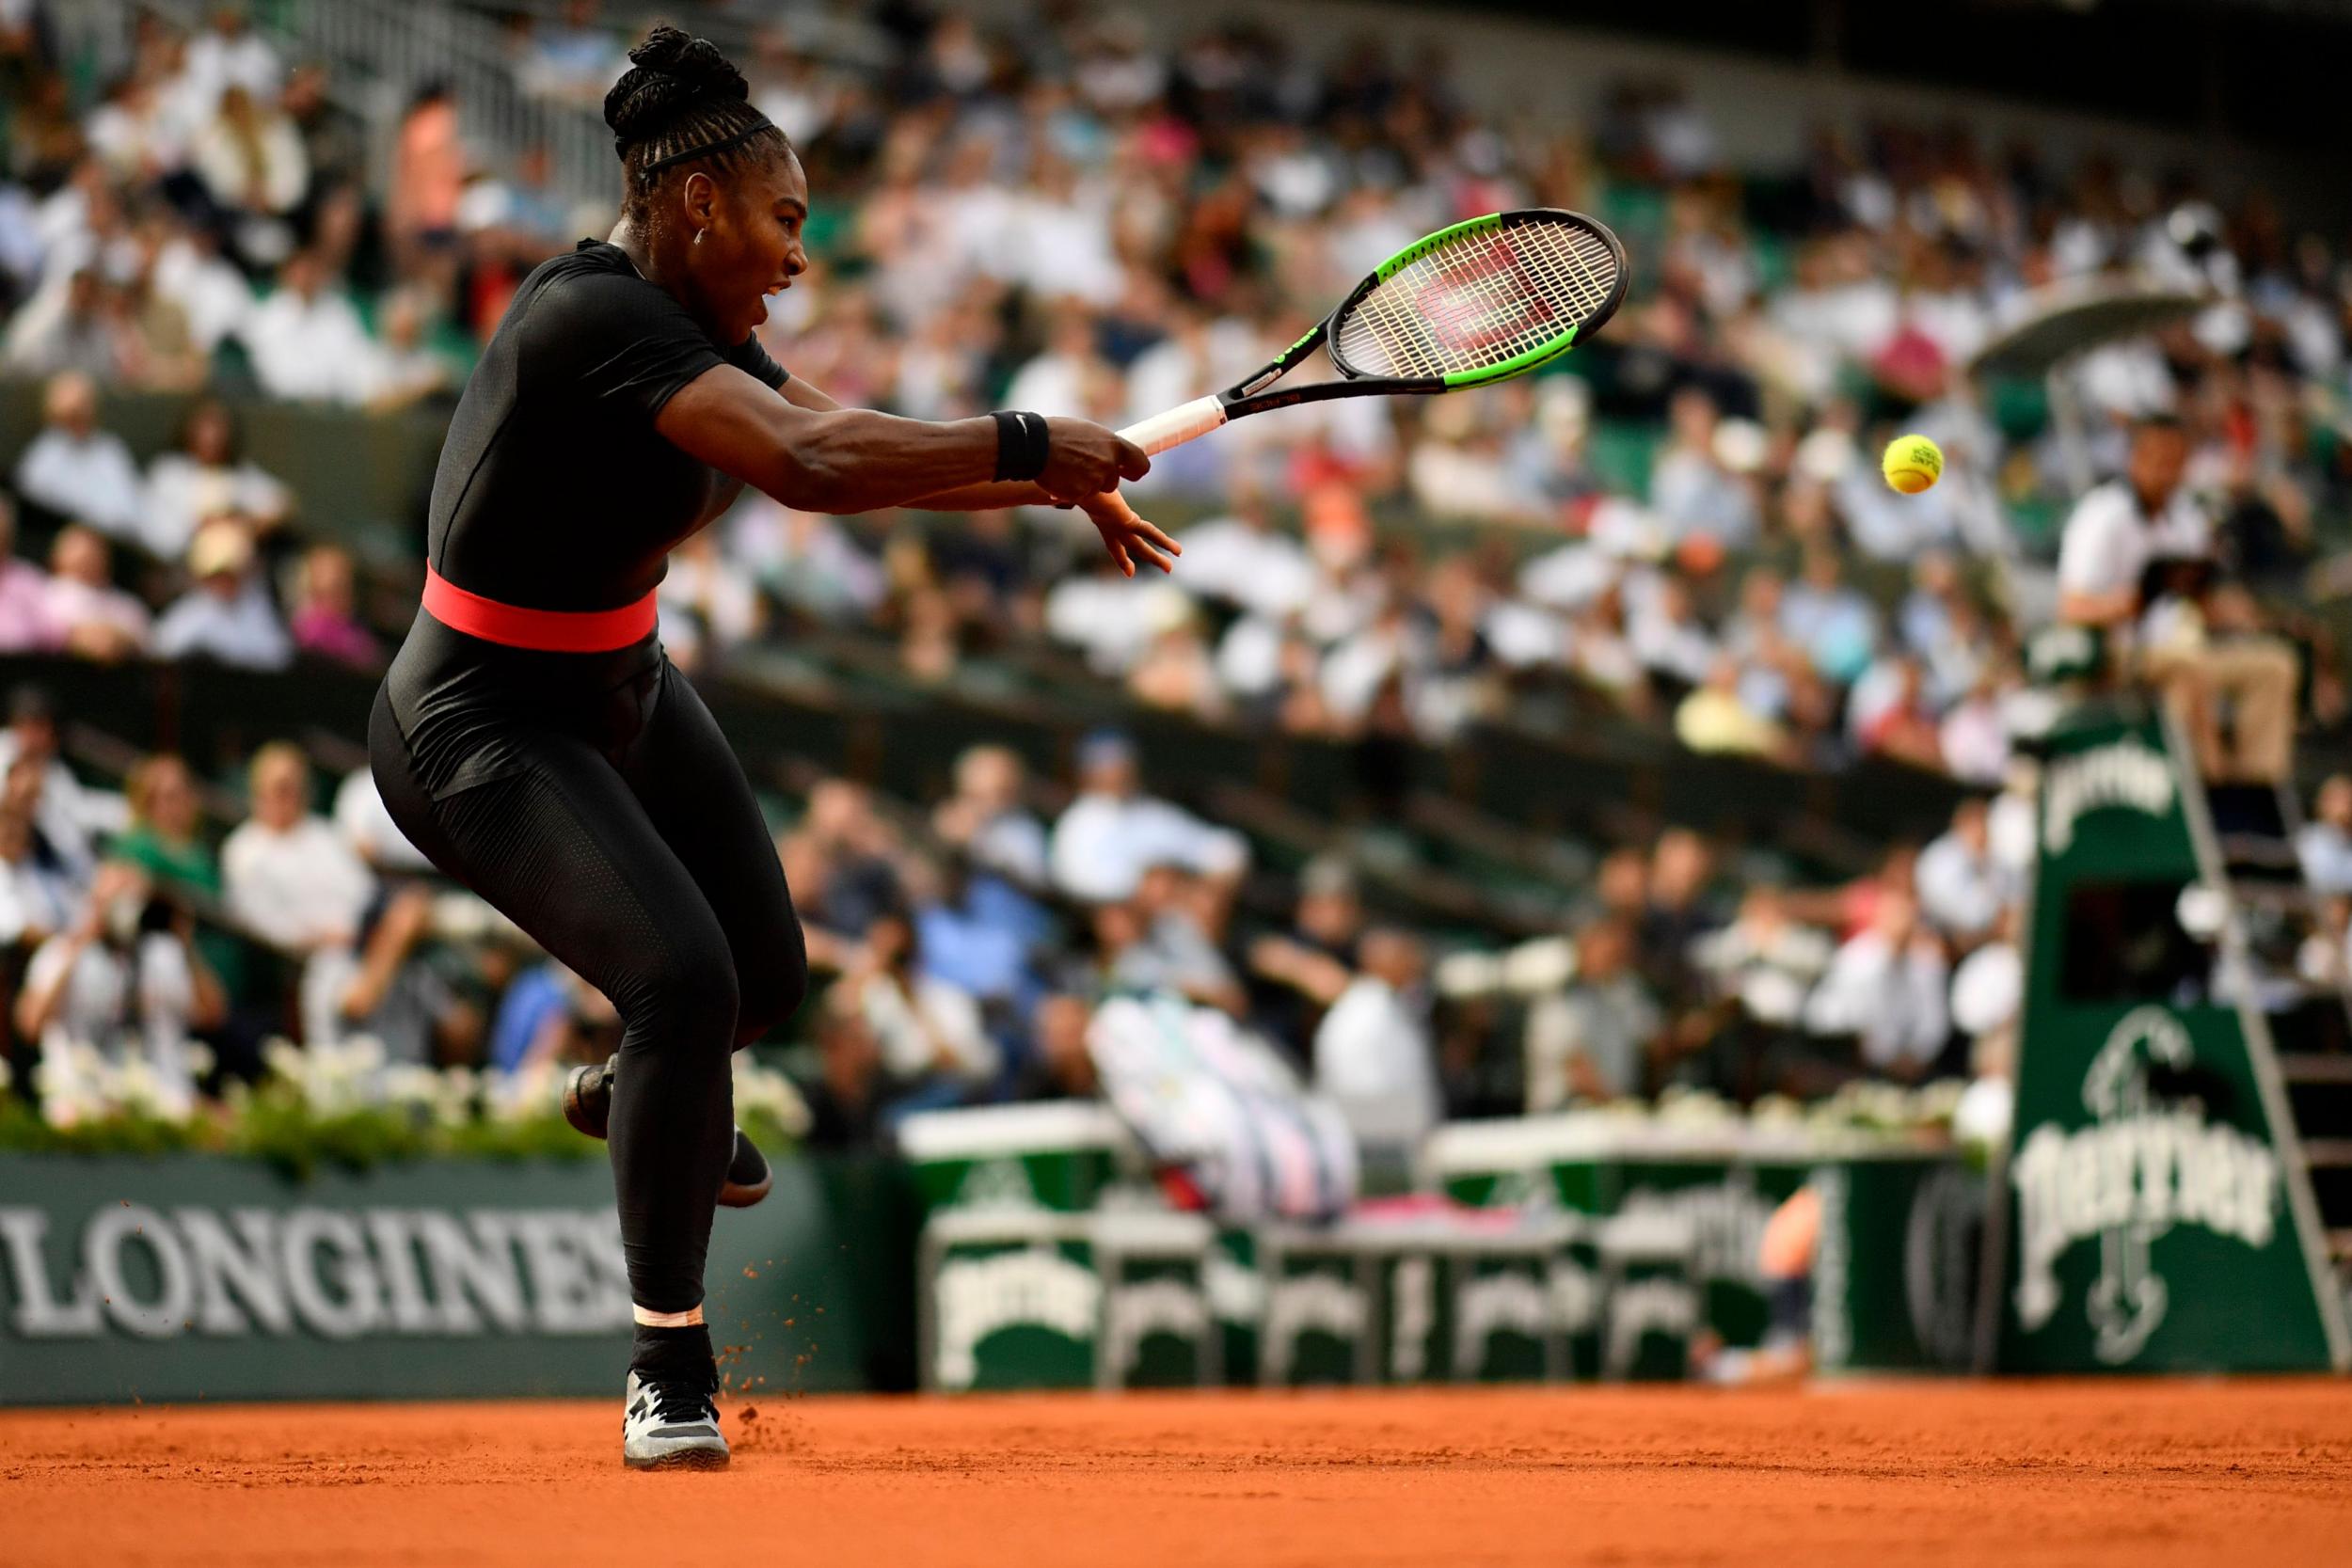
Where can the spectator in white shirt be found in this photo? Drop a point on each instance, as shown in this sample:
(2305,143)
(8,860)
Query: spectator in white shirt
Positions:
(929,1031)
(367,826)
(192,274)
(92,617)
(1244,559)
(76,470)
(251,159)
(1667,635)
(36,898)
(2202,656)
(138,132)
(1112,831)
(576,60)
(1960,886)
(308,341)
(2116,531)
(203,478)
(126,982)
(69,815)
(1889,988)
(230,54)
(2325,845)
(228,615)
(987,819)
(1374,1054)
(1690,488)
(287,875)
(66,330)
(1059,381)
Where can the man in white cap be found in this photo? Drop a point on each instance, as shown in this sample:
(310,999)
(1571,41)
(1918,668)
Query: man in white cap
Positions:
(226,615)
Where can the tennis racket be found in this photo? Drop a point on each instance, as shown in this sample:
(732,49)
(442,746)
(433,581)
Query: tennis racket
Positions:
(1481,302)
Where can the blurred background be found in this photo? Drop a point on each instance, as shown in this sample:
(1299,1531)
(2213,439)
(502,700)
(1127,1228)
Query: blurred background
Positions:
(1612,737)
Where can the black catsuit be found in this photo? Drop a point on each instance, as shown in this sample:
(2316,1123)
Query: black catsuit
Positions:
(590,796)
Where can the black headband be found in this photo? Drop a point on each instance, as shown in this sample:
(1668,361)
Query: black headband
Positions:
(706,149)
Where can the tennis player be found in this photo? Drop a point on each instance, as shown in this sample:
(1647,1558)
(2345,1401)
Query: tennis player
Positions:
(531,738)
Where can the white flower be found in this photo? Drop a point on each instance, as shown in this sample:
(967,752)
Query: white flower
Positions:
(764,1092)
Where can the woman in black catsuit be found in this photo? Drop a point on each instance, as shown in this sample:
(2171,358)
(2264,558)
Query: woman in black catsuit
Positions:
(531,739)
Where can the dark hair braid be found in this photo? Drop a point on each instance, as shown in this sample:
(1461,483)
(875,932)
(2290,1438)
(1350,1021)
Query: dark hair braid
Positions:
(679,95)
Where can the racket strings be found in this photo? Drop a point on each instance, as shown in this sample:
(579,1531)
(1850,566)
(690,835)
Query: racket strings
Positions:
(1480,300)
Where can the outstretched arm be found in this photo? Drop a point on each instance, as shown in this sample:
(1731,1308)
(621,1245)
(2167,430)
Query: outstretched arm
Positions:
(849,460)
(1128,537)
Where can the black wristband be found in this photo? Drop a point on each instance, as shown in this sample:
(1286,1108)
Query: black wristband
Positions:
(1021,444)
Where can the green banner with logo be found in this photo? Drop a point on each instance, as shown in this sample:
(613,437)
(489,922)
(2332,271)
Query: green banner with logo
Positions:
(2154,1216)
(1896,1269)
(205,1277)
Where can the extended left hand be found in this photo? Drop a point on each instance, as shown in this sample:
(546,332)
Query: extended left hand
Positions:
(1128,537)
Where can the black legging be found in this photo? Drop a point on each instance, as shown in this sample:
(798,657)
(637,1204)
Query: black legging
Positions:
(613,824)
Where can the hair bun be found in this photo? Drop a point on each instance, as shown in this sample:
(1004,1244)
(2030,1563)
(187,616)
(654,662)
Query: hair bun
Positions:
(669,73)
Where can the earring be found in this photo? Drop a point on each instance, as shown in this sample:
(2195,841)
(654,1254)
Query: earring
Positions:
(699,233)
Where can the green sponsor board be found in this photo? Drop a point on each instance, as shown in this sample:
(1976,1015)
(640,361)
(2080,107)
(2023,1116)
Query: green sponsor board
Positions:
(1462,1305)
(1895,1268)
(1724,1187)
(197,1276)
(1650,1303)
(1237,1297)
(1160,1328)
(1320,1293)
(1727,1200)
(1036,1299)
(1060,1156)
(1577,1301)
(2154,1215)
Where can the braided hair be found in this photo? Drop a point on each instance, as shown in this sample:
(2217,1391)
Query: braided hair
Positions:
(683,105)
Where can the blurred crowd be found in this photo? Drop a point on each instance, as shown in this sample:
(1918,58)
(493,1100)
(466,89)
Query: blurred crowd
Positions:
(1078,217)
(962,947)
(1686,528)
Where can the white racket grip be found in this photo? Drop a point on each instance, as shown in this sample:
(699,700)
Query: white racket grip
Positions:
(1180,424)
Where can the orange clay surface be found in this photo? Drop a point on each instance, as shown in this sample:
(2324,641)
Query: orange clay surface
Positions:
(1905,1474)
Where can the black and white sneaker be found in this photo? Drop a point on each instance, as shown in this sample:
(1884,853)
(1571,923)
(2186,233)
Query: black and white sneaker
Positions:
(671,1424)
(588,1106)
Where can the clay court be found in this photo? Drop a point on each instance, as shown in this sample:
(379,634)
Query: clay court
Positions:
(2142,1473)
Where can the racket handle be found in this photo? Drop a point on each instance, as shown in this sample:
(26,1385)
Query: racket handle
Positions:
(1180,424)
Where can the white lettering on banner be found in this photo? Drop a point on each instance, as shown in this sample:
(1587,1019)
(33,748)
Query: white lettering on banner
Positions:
(979,1297)
(40,1315)
(2142,1167)
(1727,1217)
(2123,773)
(1574,1297)
(392,1232)
(1511,1301)
(1660,1305)
(1318,1299)
(996,1185)
(1832,1296)
(1236,1295)
(1413,1297)
(1524,1188)
(470,1262)
(1149,1307)
(234,1272)
(345,1299)
(1941,1237)
(105,1241)
(340,1274)
(556,1250)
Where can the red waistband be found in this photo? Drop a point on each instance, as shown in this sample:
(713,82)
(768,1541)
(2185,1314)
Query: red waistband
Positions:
(553,631)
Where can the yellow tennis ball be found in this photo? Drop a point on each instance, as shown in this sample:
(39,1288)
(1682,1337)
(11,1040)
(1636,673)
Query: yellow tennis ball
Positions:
(1912,463)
